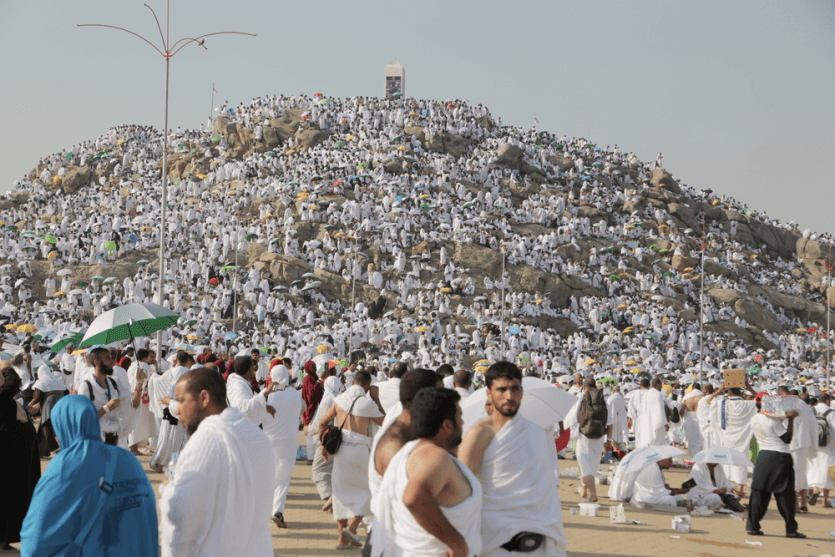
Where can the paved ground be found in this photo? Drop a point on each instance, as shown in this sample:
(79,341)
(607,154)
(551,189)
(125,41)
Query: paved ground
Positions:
(313,533)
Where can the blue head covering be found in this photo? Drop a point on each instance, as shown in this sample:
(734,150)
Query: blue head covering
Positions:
(69,493)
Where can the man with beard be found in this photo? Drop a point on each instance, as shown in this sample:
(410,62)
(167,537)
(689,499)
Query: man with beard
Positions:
(521,506)
(429,502)
(103,390)
(202,512)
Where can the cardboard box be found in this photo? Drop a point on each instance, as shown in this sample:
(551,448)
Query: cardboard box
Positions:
(681,523)
(617,515)
(734,378)
(589,509)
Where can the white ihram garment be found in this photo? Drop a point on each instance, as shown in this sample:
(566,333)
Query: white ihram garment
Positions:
(730,420)
(520,498)
(218,502)
(283,432)
(399,534)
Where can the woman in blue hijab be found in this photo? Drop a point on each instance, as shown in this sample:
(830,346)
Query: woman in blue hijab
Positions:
(93,499)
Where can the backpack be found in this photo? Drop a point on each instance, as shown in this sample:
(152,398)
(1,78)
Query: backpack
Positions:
(112,384)
(674,415)
(823,429)
(593,414)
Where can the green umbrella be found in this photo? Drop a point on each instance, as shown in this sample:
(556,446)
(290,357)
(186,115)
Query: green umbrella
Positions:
(468,205)
(665,250)
(73,339)
(614,277)
(294,183)
(610,248)
(196,237)
(609,381)
(216,139)
(339,144)
(28,233)
(669,274)
(330,227)
(396,139)
(69,156)
(142,262)
(654,246)
(97,277)
(109,280)
(110,245)
(270,153)
(51,239)
(523,358)
(597,164)
(228,268)
(397,95)
(249,237)
(11,227)
(95,197)
(425,207)
(128,322)
(754,370)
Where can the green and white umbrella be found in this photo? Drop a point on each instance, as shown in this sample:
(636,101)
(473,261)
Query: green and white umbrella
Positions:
(128,322)
(109,280)
(70,338)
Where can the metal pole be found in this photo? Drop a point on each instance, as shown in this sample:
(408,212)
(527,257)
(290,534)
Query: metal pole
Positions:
(212,108)
(235,287)
(702,317)
(828,312)
(164,202)
(353,305)
(501,331)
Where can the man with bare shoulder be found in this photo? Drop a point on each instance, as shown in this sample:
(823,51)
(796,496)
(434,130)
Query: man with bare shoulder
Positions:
(429,503)
(689,408)
(517,465)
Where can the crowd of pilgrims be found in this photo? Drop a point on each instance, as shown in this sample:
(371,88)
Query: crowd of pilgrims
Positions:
(413,220)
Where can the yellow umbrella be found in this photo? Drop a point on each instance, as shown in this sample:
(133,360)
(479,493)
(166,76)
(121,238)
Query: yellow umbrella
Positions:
(482,363)
(11,326)
(799,330)
(232,192)
(715,202)
(539,301)
(290,152)
(480,369)
(635,370)
(322,348)
(339,235)
(214,163)
(145,229)
(313,208)
(688,269)
(630,363)
(424,195)
(622,306)
(589,362)
(628,329)
(202,176)
(60,293)
(754,256)
(52,255)
(27,329)
(350,137)
(401,148)
(192,337)
(668,389)
(267,216)
(446,289)
(421,329)
(79,351)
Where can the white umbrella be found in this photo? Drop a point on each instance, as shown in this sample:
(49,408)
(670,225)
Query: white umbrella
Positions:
(637,460)
(248,352)
(64,272)
(542,403)
(723,455)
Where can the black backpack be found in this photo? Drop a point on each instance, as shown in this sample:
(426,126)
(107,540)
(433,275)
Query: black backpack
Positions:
(112,384)
(593,414)
(823,429)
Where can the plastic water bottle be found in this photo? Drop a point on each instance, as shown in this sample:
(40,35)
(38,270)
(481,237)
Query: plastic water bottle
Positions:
(169,470)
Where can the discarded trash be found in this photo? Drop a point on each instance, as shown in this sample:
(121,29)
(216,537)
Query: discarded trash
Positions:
(753,543)
(573,511)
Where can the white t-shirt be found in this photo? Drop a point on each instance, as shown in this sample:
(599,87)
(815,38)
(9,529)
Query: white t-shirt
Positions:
(101,396)
(768,430)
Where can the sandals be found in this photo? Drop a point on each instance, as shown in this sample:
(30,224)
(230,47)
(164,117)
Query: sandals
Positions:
(803,509)
(796,535)
(755,533)
(347,546)
(355,539)
(813,499)
(278,520)
(828,505)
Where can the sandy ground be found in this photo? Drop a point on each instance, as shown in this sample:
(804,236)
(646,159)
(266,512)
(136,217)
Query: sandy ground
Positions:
(313,533)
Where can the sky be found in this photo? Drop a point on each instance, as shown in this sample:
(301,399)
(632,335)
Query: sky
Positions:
(738,95)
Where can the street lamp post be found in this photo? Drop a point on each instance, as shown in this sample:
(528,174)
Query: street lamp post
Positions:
(501,328)
(168,51)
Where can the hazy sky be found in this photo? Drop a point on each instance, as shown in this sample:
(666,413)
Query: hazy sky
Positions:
(737,94)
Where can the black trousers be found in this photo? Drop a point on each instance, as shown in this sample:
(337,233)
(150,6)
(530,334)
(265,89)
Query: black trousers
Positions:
(758,505)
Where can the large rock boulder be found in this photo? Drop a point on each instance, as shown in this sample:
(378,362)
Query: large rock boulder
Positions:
(287,124)
(479,259)
(309,138)
(75,177)
(757,316)
(664,180)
